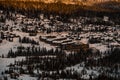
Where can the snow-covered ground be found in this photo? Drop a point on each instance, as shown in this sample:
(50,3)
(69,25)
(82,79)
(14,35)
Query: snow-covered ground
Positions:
(4,62)
(83,72)
(27,77)
(5,46)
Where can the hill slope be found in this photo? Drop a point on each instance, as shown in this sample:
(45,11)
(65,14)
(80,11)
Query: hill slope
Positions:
(65,6)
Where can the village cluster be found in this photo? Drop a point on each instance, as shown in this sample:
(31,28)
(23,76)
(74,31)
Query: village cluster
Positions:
(51,42)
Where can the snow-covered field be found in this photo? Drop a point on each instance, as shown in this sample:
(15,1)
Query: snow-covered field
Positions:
(83,72)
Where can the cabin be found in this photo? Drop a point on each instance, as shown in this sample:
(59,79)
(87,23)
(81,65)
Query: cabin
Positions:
(74,46)
(10,39)
(0,40)
(94,40)
(32,34)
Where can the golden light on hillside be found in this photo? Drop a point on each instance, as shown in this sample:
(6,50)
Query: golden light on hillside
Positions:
(58,6)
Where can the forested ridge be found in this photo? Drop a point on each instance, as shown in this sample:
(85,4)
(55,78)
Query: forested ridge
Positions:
(56,8)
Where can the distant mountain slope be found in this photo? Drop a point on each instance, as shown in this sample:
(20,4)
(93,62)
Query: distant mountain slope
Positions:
(63,6)
(86,2)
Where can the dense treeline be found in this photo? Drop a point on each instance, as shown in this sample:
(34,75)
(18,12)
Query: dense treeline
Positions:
(112,58)
(53,66)
(75,57)
(58,60)
(28,40)
(32,51)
